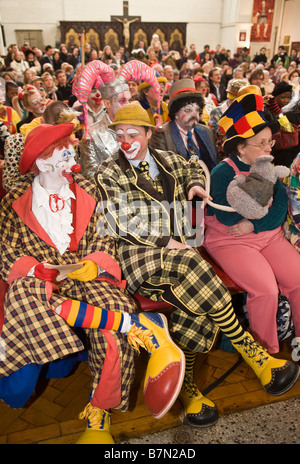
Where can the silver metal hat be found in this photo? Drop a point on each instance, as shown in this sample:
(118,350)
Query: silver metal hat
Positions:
(113,88)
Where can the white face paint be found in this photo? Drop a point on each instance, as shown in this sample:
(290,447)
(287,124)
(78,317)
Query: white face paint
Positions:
(56,170)
(188,116)
(36,104)
(131,147)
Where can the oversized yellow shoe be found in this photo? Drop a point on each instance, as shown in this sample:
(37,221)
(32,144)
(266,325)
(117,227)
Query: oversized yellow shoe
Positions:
(98,427)
(276,376)
(166,366)
(199,411)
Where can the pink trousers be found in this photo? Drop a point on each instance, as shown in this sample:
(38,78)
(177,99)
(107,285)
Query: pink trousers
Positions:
(261,264)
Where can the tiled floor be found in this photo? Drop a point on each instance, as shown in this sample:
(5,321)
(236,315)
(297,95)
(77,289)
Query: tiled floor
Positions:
(52,416)
(272,424)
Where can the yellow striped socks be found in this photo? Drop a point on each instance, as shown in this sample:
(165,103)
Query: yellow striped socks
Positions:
(228,323)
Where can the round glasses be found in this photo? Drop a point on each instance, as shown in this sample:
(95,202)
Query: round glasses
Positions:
(263,145)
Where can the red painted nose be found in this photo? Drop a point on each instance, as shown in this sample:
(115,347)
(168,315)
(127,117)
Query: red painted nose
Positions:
(76,168)
(125,146)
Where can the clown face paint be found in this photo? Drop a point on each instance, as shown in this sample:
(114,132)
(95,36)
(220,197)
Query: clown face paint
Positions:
(188,116)
(94,98)
(133,141)
(56,171)
(117,101)
(36,104)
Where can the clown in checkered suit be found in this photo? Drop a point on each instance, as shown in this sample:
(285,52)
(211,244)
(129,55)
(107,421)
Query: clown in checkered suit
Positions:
(158,258)
(52,220)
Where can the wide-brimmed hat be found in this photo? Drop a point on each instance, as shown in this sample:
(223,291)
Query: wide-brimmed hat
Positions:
(234,86)
(132,114)
(182,89)
(40,138)
(145,85)
(243,119)
(249,89)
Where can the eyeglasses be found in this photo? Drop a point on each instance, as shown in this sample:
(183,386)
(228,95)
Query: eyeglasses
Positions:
(263,145)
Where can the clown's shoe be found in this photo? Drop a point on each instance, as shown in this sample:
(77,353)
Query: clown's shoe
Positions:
(199,411)
(166,366)
(276,376)
(98,427)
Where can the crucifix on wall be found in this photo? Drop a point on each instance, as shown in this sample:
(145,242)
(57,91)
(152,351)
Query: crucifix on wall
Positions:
(126,20)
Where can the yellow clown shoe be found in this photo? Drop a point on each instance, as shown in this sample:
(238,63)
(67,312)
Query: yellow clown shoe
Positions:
(98,427)
(276,376)
(166,366)
(199,411)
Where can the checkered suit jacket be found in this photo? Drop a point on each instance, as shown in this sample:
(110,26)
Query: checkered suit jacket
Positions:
(141,243)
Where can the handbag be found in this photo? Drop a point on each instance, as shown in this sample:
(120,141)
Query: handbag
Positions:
(286,139)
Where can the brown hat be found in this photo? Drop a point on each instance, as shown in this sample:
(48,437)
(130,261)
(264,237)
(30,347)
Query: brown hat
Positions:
(182,89)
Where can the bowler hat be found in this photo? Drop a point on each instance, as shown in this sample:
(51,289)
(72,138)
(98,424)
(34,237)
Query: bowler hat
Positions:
(40,138)
(243,119)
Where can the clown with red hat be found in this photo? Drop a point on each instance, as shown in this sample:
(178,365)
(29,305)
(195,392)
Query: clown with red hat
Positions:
(62,273)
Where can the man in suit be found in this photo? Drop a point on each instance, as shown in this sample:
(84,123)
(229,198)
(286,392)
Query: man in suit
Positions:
(144,195)
(183,134)
(48,55)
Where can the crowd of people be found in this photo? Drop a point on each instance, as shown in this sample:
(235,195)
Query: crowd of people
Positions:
(147,142)
(51,71)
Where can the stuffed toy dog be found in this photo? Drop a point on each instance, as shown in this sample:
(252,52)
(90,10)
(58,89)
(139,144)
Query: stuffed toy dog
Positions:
(251,196)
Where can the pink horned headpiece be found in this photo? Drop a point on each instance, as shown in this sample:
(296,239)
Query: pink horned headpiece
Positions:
(96,72)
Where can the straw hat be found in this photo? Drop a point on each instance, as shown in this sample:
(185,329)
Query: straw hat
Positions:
(132,114)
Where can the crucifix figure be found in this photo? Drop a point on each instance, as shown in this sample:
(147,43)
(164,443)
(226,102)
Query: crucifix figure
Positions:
(126,20)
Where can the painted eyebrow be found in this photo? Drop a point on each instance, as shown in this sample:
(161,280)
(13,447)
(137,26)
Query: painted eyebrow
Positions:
(132,131)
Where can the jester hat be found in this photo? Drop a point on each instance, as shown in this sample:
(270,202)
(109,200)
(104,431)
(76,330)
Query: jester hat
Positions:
(243,119)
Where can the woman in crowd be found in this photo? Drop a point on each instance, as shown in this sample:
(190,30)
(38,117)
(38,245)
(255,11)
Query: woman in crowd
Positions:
(19,65)
(253,252)
(57,61)
(51,88)
(210,101)
(108,56)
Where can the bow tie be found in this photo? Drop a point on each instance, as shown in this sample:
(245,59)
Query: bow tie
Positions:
(56,203)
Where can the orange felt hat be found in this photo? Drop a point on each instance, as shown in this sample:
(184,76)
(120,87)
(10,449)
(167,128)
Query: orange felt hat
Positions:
(40,138)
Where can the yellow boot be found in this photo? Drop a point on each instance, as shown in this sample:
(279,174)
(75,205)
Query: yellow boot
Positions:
(276,376)
(98,427)
(166,366)
(199,411)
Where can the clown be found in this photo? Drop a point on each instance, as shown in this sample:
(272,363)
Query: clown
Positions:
(51,222)
(160,261)
(102,142)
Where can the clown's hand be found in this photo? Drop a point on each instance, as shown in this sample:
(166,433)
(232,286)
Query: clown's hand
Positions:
(88,271)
